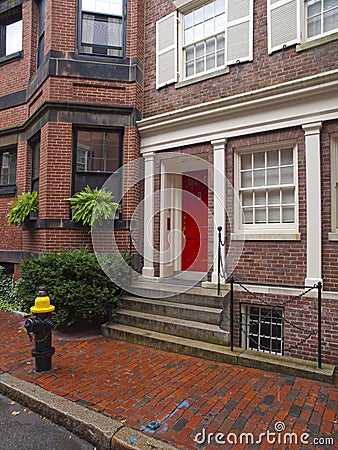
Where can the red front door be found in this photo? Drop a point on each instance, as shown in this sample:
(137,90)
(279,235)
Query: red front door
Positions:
(195,221)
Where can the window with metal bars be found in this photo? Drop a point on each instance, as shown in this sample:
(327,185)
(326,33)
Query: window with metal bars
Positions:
(262,328)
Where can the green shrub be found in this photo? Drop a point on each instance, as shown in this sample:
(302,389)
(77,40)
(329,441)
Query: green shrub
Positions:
(75,283)
(22,207)
(6,291)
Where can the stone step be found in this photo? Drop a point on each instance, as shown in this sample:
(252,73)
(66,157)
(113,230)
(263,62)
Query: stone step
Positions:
(173,326)
(167,342)
(172,309)
(220,353)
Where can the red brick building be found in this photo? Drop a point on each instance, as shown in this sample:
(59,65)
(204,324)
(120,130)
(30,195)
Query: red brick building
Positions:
(233,106)
(250,87)
(70,94)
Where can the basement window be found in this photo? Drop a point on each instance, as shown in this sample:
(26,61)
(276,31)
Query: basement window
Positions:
(262,328)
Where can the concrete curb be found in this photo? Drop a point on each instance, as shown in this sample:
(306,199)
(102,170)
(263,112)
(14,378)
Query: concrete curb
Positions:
(103,432)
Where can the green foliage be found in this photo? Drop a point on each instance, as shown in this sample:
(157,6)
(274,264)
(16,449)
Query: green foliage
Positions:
(75,283)
(26,203)
(92,206)
(6,291)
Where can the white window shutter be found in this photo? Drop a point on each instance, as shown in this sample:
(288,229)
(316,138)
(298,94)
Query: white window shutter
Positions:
(283,24)
(239,31)
(166,50)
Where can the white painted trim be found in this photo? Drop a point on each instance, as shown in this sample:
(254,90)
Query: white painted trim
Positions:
(149,211)
(313,203)
(290,104)
(219,201)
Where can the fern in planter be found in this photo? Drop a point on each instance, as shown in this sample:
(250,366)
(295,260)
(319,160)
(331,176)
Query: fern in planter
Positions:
(92,206)
(22,207)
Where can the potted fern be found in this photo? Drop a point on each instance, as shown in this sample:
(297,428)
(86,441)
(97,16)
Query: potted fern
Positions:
(93,206)
(23,207)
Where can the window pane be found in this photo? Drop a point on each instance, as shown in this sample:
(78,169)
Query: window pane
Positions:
(287,156)
(260,198)
(259,177)
(247,199)
(97,151)
(260,215)
(198,15)
(274,215)
(246,179)
(272,158)
(330,4)
(112,7)
(288,196)
(210,62)
(286,175)
(219,6)
(209,27)
(188,36)
(14,37)
(259,160)
(274,197)
(331,20)
(273,177)
(313,26)
(188,20)
(288,214)
(209,11)
(314,7)
(248,215)
(246,162)
(8,168)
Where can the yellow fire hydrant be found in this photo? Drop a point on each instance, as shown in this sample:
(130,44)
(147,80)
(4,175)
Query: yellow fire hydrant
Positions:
(41,325)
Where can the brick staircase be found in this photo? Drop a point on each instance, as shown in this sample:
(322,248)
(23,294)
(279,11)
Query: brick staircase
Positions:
(195,322)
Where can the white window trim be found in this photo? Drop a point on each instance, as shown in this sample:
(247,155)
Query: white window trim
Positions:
(333,236)
(190,6)
(276,232)
(305,42)
(186,6)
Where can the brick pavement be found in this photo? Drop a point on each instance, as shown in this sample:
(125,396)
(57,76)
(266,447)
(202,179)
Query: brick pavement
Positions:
(139,385)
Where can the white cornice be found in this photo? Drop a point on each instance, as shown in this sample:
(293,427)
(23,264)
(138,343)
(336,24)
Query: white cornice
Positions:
(305,100)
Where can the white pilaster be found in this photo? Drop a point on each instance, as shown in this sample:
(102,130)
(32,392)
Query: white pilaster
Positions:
(219,199)
(149,210)
(313,203)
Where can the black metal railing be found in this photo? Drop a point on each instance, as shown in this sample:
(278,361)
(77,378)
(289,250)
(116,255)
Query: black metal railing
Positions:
(220,264)
(309,332)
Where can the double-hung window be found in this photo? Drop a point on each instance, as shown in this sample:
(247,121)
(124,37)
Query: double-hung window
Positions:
(267,190)
(101,27)
(97,156)
(202,38)
(11,32)
(321,17)
(8,167)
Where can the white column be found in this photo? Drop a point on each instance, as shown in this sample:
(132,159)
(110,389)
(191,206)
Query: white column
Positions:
(313,203)
(149,210)
(219,199)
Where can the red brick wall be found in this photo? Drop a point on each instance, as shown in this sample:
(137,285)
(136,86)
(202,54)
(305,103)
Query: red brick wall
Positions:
(264,70)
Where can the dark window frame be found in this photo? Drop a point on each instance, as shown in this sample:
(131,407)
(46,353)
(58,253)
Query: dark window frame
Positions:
(8,149)
(81,46)
(41,33)
(107,174)
(35,164)
(7,18)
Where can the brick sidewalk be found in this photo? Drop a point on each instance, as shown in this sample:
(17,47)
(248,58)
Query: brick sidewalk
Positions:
(139,385)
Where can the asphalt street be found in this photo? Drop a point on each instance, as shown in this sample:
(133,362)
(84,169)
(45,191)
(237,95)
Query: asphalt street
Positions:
(21,429)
